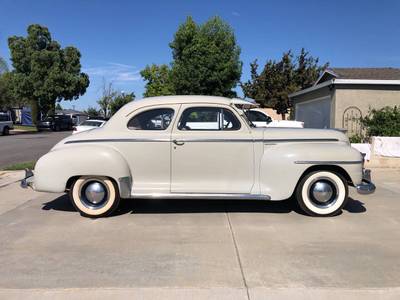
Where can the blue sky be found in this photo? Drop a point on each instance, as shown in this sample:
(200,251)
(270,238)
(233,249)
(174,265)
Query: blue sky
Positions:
(118,38)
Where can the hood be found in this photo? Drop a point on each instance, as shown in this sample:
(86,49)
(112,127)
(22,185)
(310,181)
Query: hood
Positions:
(304,133)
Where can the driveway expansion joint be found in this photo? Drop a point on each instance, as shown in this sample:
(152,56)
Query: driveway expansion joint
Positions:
(238,255)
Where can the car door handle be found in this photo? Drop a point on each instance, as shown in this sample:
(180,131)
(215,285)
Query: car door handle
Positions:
(178,143)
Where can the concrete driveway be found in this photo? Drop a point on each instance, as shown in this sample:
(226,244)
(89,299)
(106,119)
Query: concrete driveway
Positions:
(28,146)
(200,249)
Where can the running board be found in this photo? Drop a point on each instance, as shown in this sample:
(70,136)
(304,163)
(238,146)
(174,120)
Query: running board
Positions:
(217,196)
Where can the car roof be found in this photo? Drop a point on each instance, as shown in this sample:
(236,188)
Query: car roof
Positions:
(181,99)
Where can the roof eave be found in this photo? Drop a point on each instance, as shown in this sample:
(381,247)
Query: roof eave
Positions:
(345,81)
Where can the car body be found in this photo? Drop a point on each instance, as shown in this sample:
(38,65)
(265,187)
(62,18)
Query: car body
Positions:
(157,148)
(88,125)
(56,123)
(6,123)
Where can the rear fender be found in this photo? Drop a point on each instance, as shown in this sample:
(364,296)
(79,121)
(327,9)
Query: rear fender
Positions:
(53,170)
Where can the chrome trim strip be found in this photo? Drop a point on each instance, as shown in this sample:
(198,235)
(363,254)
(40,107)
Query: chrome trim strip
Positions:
(328,162)
(219,196)
(267,141)
(127,140)
(300,140)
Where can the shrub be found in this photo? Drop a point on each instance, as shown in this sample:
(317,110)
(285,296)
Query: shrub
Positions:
(356,139)
(382,122)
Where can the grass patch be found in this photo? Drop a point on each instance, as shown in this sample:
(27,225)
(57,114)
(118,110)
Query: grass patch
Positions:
(20,166)
(25,128)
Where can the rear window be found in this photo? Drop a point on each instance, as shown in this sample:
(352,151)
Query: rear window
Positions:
(4,118)
(154,119)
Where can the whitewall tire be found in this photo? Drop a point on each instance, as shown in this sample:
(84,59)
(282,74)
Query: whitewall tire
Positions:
(94,196)
(322,193)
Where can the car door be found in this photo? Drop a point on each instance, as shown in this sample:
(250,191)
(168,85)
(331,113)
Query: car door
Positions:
(148,150)
(212,151)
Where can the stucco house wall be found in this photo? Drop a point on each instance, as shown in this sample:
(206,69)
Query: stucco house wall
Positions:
(364,98)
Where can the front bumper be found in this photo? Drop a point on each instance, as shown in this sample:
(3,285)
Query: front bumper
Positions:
(366,186)
(28,179)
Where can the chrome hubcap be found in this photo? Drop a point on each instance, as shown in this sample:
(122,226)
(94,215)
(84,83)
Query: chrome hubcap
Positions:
(94,194)
(322,191)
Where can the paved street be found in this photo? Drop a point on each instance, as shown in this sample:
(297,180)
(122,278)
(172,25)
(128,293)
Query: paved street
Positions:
(200,249)
(27,147)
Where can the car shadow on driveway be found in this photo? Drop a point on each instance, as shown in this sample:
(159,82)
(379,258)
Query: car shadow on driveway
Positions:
(146,206)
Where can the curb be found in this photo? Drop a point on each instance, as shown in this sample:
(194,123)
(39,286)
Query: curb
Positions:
(10,177)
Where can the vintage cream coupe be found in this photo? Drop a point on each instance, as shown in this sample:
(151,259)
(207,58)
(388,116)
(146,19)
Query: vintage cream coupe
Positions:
(199,147)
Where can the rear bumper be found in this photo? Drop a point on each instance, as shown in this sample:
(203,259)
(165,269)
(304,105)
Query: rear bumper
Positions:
(28,179)
(366,186)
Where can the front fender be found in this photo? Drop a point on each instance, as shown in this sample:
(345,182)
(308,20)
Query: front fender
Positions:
(53,170)
(283,164)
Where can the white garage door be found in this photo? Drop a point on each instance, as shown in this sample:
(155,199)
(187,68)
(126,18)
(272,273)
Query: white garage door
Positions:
(315,113)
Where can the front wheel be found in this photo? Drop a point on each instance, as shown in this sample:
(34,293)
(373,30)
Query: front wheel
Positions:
(322,193)
(94,197)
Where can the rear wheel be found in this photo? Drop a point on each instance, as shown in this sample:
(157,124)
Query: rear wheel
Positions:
(6,130)
(322,193)
(94,196)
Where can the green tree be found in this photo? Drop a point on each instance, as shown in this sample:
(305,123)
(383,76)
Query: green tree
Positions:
(44,72)
(307,70)
(92,112)
(206,59)
(205,62)
(158,80)
(119,101)
(271,87)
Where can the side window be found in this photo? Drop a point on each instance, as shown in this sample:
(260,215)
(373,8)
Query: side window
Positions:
(154,119)
(208,118)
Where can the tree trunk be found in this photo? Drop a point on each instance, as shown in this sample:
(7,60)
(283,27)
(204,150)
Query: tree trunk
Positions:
(34,111)
(283,116)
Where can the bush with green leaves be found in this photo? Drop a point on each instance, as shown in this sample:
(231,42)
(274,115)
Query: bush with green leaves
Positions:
(356,139)
(382,122)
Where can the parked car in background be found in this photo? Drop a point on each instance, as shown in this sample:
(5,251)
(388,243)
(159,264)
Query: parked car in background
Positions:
(88,125)
(199,147)
(6,123)
(56,123)
(260,118)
